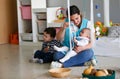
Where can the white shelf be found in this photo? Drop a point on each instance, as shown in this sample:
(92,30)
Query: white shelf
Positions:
(53,24)
(34,37)
(23,25)
(37,6)
(39,10)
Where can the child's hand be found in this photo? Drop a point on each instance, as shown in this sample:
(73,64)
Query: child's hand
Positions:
(46,49)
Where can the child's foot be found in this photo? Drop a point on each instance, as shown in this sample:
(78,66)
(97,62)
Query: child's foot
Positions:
(55,64)
(33,60)
(40,61)
(36,60)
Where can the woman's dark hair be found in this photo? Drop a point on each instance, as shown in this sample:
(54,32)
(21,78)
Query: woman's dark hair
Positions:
(51,31)
(73,10)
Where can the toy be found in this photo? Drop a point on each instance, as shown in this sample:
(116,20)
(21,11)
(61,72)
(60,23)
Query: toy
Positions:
(111,23)
(60,13)
(88,70)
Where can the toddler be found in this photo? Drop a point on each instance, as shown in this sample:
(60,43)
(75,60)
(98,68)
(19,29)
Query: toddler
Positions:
(45,55)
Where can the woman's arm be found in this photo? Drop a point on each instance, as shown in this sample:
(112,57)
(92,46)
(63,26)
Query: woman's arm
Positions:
(81,48)
(60,34)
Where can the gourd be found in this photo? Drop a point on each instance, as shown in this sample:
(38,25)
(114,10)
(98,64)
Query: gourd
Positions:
(100,73)
(88,70)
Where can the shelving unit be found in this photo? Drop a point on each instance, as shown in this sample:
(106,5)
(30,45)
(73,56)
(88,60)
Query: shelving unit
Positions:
(29,31)
(24,21)
(38,7)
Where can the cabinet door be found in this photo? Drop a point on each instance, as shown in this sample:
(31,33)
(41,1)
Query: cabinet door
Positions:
(7,20)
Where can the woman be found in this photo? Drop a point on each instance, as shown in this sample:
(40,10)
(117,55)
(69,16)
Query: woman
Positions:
(85,55)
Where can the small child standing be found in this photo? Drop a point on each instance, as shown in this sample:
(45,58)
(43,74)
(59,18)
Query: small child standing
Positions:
(81,40)
(45,55)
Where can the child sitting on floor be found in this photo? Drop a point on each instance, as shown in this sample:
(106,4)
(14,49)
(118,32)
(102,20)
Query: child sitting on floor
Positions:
(45,55)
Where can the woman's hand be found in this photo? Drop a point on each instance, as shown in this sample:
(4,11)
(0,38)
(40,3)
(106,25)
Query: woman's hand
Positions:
(78,49)
(61,32)
(65,25)
(81,48)
(46,49)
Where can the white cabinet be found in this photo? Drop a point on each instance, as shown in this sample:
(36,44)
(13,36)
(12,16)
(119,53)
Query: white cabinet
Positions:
(29,12)
(37,16)
(38,23)
(24,21)
(38,4)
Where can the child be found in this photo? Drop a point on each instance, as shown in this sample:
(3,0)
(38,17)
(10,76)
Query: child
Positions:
(45,55)
(81,40)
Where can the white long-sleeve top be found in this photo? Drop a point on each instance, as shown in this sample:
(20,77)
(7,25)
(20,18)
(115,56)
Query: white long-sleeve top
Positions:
(82,41)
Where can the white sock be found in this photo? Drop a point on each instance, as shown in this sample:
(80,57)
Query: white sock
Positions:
(68,56)
(64,48)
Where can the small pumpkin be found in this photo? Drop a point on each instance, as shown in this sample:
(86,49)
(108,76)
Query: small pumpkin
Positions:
(100,73)
(88,70)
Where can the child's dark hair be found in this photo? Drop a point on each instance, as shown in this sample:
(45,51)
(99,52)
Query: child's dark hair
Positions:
(73,10)
(51,31)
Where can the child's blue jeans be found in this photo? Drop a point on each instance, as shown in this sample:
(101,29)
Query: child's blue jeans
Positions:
(47,57)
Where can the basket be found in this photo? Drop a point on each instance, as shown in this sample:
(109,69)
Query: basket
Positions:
(112,76)
(59,72)
(26,12)
(26,36)
(25,2)
(41,16)
(41,25)
(40,37)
